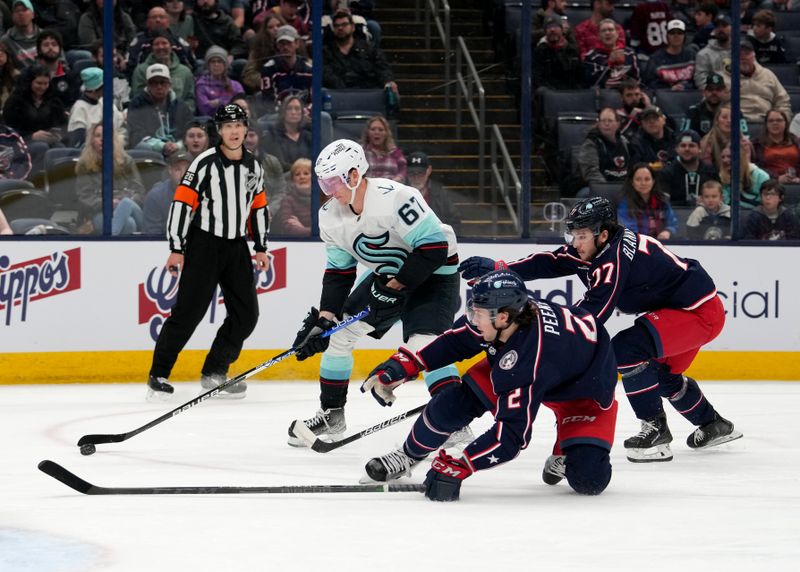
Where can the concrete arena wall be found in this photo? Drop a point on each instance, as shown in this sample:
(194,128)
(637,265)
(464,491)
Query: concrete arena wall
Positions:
(75,311)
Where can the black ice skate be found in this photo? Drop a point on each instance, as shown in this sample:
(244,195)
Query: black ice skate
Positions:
(159,389)
(554,469)
(388,467)
(651,444)
(719,431)
(235,391)
(328,423)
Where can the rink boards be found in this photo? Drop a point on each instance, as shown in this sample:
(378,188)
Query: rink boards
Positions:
(89,311)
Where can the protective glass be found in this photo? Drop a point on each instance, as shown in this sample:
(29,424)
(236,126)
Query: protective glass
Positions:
(330,185)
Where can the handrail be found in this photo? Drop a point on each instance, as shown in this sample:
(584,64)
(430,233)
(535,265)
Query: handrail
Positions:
(432,8)
(479,116)
(503,180)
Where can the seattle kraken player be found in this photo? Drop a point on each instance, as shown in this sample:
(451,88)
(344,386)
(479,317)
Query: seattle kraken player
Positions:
(680,313)
(537,353)
(387,227)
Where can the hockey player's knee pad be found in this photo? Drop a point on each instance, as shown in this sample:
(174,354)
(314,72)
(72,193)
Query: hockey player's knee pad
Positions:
(588,469)
(452,408)
(344,341)
(634,345)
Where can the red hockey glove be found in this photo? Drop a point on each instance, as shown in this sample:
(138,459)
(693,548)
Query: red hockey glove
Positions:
(443,481)
(381,382)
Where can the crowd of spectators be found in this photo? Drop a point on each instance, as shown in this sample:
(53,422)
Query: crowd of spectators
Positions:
(175,62)
(669,68)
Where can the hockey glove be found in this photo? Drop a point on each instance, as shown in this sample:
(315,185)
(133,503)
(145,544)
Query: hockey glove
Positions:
(398,369)
(308,341)
(386,304)
(443,481)
(477,266)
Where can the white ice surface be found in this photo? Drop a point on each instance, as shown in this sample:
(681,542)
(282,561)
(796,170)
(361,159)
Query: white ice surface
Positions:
(735,507)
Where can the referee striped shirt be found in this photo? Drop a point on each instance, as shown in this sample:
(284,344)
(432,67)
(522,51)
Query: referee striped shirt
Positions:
(222,197)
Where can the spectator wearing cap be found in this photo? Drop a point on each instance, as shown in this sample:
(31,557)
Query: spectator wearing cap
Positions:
(608,65)
(285,73)
(671,67)
(777,151)
(767,44)
(216,28)
(159,198)
(654,143)
(684,177)
(181,78)
(717,54)
(350,62)
(587,33)
(552,9)
(61,16)
(646,26)
(704,17)
(50,53)
(21,37)
(88,110)
(760,89)
(771,220)
(558,65)
(418,173)
(214,88)
(90,26)
(700,116)
(140,48)
(156,117)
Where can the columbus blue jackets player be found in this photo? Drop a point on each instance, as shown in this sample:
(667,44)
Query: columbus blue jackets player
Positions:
(537,353)
(680,309)
(413,260)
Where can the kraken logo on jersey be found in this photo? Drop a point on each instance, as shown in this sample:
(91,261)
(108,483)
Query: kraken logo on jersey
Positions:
(371,249)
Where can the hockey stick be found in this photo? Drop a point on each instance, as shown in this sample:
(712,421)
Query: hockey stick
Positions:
(73,481)
(321,446)
(87,442)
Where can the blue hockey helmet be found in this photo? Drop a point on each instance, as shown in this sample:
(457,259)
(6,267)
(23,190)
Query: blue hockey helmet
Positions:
(498,290)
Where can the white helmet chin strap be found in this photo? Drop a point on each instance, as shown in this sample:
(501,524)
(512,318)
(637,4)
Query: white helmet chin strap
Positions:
(353,189)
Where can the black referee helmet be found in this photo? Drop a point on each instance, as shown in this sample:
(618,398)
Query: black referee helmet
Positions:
(229,113)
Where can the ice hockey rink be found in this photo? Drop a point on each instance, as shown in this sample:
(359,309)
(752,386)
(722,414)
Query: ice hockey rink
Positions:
(735,507)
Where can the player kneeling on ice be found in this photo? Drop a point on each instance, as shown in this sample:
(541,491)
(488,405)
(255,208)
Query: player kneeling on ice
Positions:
(536,353)
(389,228)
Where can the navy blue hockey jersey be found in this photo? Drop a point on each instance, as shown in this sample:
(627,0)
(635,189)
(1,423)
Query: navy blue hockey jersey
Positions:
(633,272)
(564,355)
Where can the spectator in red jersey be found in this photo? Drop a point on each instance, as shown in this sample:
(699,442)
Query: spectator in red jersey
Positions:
(588,32)
(777,150)
(648,26)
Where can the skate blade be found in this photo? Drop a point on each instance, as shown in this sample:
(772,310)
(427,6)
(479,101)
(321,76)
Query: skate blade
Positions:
(158,396)
(225,395)
(657,454)
(732,436)
(551,479)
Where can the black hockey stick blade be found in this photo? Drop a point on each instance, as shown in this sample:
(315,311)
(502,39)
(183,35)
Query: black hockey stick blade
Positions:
(321,446)
(74,482)
(97,439)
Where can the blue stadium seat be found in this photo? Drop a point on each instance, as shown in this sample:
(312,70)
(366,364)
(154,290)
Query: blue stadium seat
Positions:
(787,74)
(674,103)
(357,101)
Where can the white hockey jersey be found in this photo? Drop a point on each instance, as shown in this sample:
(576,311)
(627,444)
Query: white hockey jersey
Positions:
(395,221)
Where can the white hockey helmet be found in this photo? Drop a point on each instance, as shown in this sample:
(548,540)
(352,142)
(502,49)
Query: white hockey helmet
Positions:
(336,161)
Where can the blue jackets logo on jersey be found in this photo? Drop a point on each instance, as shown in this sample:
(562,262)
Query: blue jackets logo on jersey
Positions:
(509,360)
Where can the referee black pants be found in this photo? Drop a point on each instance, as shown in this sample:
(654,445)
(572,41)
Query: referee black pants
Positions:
(208,261)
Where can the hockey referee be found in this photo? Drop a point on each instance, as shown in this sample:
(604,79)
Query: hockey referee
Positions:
(220,198)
